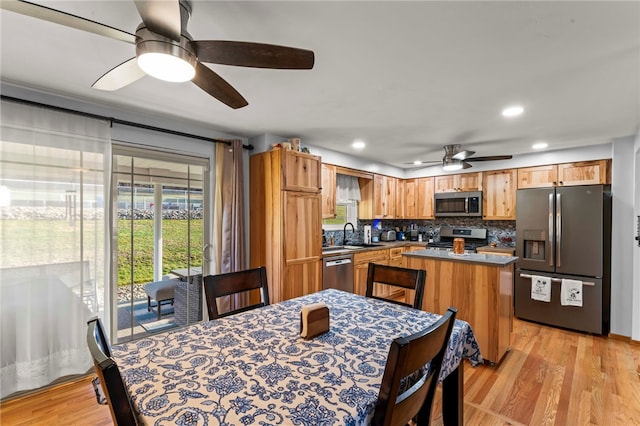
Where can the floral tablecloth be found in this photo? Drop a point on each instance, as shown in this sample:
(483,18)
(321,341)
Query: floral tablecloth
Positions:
(254,368)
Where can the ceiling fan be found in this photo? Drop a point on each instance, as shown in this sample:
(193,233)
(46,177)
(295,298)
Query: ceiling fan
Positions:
(165,49)
(457,159)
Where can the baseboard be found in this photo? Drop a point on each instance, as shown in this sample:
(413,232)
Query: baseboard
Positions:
(625,339)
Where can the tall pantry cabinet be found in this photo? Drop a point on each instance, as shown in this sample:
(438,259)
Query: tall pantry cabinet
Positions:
(286,221)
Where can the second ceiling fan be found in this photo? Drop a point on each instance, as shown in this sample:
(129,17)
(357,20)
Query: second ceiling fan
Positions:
(456,159)
(166,50)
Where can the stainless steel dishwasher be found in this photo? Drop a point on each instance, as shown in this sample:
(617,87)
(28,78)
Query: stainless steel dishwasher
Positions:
(337,272)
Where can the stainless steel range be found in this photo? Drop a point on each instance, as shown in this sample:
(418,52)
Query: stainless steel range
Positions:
(473,238)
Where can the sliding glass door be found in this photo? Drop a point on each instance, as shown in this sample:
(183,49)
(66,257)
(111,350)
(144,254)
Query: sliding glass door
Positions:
(159,207)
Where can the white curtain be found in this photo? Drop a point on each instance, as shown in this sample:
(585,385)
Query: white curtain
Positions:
(347,188)
(53,187)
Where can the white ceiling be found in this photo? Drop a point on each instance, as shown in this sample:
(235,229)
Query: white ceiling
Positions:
(405,77)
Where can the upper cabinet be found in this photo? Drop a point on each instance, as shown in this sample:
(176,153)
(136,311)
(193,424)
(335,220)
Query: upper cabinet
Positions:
(401,204)
(384,197)
(499,195)
(460,182)
(328,191)
(418,198)
(300,171)
(566,174)
(584,173)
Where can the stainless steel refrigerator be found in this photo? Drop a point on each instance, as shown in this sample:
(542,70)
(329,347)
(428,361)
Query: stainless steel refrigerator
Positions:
(565,232)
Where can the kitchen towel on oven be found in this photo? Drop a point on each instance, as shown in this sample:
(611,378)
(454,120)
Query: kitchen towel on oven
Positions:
(541,288)
(571,293)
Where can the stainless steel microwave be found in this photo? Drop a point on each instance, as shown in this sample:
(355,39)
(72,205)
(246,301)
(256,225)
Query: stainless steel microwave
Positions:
(458,204)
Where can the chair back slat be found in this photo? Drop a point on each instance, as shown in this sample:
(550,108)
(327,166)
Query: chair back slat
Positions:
(232,283)
(417,358)
(405,278)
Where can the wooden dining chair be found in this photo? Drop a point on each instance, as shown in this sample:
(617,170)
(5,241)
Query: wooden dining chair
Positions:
(108,373)
(407,359)
(394,276)
(232,283)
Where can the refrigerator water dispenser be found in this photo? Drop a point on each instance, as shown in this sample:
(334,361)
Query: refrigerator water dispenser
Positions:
(534,245)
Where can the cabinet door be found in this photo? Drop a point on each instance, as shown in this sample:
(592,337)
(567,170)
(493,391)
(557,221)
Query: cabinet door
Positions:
(389,197)
(583,173)
(360,272)
(400,199)
(411,199)
(301,172)
(538,177)
(469,182)
(302,226)
(301,278)
(328,191)
(424,198)
(446,183)
(378,196)
(499,195)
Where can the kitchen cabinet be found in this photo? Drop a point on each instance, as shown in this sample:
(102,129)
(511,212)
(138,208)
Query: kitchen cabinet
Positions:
(584,173)
(401,205)
(384,197)
(361,262)
(565,174)
(285,221)
(419,198)
(499,195)
(462,182)
(328,173)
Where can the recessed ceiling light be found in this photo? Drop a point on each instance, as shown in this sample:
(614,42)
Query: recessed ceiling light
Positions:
(417,162)
(358,144)
(512,111)
(539,145)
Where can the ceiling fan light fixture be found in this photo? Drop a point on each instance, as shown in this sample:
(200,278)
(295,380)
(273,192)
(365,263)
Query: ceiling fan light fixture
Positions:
(166,67)
(451,164)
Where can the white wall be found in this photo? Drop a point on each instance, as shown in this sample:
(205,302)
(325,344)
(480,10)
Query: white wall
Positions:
(622,247)
(635,333)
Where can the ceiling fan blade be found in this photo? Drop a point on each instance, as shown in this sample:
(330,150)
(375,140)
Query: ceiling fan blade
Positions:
(119,76)
(161,16)
(490,158)
(217,87)
(68,20)
(255,55)
(463,155)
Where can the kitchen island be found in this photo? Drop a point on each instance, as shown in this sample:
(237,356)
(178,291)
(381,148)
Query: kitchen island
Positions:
(480,286)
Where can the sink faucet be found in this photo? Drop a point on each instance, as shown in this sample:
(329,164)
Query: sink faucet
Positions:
(344,232)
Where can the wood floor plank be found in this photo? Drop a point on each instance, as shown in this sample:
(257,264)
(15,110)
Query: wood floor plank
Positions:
(550,377)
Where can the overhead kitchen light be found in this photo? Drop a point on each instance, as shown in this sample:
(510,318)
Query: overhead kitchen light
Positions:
(358,144)
(451,164)
(539,145)
(512,111)
(417,162)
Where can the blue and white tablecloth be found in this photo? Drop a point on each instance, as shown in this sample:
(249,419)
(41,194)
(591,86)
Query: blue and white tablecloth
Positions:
(254,368)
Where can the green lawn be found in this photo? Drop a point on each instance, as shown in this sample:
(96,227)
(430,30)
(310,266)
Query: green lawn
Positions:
(58,241)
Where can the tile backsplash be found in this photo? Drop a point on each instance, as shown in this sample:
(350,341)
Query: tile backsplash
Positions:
(500,232)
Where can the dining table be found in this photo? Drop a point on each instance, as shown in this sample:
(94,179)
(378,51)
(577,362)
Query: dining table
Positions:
(254,368)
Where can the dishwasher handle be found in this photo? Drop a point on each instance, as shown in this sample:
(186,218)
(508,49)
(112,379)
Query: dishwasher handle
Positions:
(337,262)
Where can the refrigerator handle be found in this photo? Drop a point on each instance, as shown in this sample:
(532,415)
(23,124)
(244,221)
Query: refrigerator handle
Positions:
(558,230)
(551,250)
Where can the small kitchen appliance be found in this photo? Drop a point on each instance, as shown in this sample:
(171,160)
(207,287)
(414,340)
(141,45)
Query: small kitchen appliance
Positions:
(388,236)
(367,234)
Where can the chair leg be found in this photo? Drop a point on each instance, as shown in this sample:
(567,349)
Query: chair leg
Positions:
(159,309)
(148,303)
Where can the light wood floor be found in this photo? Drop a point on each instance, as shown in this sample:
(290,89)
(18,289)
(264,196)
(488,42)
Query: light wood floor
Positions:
(550,377)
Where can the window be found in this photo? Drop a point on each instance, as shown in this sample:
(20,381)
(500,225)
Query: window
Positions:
(346,211)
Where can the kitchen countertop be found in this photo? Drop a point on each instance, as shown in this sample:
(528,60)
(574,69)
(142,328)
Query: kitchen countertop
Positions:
(498,249)
(336,250)
(487,259)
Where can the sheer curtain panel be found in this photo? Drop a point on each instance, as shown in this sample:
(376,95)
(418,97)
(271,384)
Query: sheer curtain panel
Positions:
(53,172)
